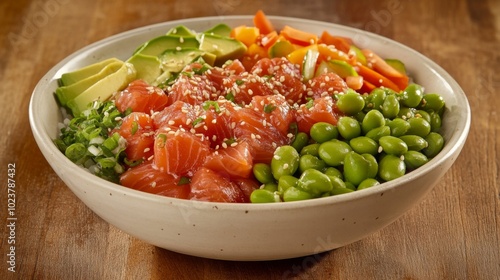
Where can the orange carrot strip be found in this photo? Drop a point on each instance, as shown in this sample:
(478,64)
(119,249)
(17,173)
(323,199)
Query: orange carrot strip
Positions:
(299,37)
(375,78)
(341,43)
(263,23)
(382,67)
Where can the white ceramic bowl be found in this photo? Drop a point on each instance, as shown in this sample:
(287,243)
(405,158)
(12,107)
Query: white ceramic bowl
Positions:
(251,231)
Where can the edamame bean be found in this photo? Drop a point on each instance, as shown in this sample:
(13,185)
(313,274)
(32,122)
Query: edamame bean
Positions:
(391,167)
(323,131)
(287,181)
(350,103)
(368,183)
(398,127)
(333,172)
(412,95)
(390,107)
(271,186)
(311,149)
(364,145)
(435,144)
(263,173)
(263,196)
(435,122)
(294,194)
(285,161)
(372,165)
(314,182)
(423,114)
(348,127)
(350,186)
(337,191)
(378,132)
(356,168)
(300,141)
(432,101)
(333,152)
(377,98)
(414,160)
(393,145)
(406,113)
(418,126)
(414,142)
(373,119)
(311,162)
(336,182)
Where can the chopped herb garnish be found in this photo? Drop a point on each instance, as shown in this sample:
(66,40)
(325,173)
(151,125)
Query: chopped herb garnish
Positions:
(310,103)
(269,108)
(183,181)
(239,82)
(230,96)
(209,104)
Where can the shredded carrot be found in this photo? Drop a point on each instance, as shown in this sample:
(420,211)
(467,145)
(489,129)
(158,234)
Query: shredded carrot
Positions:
(382,67)
(341,43)
(375,78)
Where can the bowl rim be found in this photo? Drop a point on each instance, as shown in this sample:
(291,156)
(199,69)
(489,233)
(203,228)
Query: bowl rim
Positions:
(46,145)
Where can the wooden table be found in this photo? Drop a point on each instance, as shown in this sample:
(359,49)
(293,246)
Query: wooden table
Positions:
(453,234)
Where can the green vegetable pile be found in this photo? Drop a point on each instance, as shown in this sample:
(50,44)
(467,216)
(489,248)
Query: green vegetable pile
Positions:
(382,136)
(86,140)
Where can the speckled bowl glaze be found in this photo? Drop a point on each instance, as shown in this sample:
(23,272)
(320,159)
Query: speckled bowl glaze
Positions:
(251,231)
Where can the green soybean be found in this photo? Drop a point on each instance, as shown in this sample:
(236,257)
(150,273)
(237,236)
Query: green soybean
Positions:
(423,114)
(372,165)
(285,161)
(393,145)
(368,183)
(337,191)
(356,168)
(333,152)
(300,141)
(435,144)
(333,172)
(432,101)
(294,194)
(337,182)
(263,196)
(373,119)
(436,122)
(348,127)
(377,98)
(323,131)
(364,145)
(406,113)
(263,173)
(314,182)
(311,162)
(311,149)
(390,107)
(391,167)
(414,159)
(414,142)
(378,132)
(398,127)
(287,181)
(412,95)
(419,126)
(350,103)
(271,186)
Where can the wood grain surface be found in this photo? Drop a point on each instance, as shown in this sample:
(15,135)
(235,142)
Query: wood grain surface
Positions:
(453,234)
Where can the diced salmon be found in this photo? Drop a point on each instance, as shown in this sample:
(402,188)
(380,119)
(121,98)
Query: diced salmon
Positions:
(145,177)
(141,97)
(179,152)
(208,185)
(233,161)
(137,129)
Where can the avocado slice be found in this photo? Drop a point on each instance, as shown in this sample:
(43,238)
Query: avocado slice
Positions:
(220,29)
(175,60)
(158,45)
(181,30)
(360,57)
(85,72)
(148,67)
(103,89)
(280,49)
(397,64)
(339,67)
(69,92)
(224,48)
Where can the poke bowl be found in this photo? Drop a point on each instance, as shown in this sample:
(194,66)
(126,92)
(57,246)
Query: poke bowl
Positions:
(250,231)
